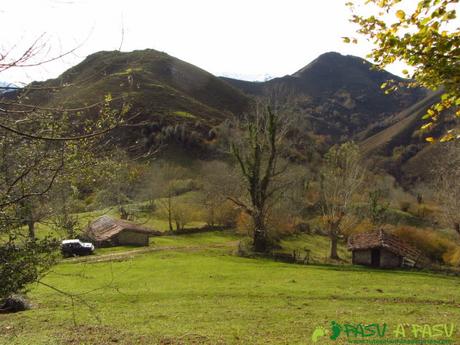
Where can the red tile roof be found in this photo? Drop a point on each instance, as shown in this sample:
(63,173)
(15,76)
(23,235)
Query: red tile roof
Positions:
(105,227)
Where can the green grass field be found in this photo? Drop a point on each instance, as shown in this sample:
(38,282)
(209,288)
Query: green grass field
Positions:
(193,290)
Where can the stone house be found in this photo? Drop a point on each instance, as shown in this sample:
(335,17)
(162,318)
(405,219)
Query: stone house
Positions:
(381,249)
(106,231)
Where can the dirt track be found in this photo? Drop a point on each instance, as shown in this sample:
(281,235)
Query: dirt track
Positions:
(129,254)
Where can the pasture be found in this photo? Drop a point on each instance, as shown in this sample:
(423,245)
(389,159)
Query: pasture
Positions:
(192,289)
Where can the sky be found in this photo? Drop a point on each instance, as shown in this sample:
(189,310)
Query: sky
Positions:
(245,39)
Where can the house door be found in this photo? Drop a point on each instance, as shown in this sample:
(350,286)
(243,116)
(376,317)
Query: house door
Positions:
(375,257)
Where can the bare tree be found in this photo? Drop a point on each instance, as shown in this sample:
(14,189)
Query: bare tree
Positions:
(341,178)
(219,181)
(32,210)
(164,183)
(257,155)
(183,213)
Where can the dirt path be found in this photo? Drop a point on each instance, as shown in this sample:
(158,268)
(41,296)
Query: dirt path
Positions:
(118,256)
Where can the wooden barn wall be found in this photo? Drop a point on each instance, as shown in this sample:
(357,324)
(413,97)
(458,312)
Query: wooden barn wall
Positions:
(389,259)
(132,238)
(362,257)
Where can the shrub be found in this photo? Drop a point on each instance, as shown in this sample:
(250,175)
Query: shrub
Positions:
(404,205)
(15,303)
(422,210)
(432,243)
(184,186)
(245,248)
(26,263)
(365,225)
(281,224)
(452,257)
(244,224)
(78,206)
(148,207)
(183,213)
(397,217)
(303,228)
(226,214)
(317,226)
(276,227)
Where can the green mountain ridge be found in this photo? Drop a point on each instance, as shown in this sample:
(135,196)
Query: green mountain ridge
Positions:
(343,91)
(336,97)
(172,96)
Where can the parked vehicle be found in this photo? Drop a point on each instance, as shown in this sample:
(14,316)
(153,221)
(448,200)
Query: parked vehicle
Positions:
(76,248)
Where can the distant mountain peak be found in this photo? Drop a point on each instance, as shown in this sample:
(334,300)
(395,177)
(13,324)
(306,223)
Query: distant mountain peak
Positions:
(341,95)
(333,62)
(7,87)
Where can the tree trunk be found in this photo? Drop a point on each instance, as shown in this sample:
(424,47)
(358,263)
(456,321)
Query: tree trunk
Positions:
(334,254)
(31,227)
(334,231)
(333,235)
(457,227)
(260,235)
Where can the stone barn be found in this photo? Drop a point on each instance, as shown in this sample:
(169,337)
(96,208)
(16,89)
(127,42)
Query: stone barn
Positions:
(106,231)
(380,249)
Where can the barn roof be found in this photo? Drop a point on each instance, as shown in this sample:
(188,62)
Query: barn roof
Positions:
(105,227)
(381,239)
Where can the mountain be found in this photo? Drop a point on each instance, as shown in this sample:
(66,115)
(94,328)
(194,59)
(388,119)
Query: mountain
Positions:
(155,80)
(403,131)
(341,96)
(401,148)
(7,87)
(178,102)
(335,98)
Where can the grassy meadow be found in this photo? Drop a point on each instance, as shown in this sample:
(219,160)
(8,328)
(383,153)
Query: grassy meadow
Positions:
(251,188)
(192,289)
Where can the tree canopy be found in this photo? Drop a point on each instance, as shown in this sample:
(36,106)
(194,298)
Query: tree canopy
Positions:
(423,35)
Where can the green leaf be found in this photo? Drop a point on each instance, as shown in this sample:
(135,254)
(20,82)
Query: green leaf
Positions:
(425,21)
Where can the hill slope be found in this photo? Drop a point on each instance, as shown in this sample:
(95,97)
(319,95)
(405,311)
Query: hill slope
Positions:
(402,149)
(146,76)
(340,98)
(336,98)
(177,100)
(339,95)
(401,132)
